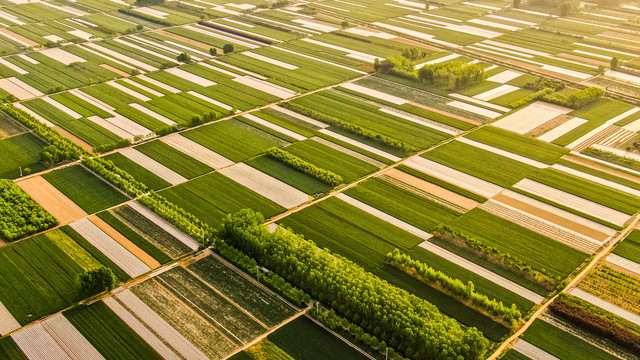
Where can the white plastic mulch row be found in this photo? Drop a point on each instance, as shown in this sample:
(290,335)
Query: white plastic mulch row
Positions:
(562,129)
(301,117)
(120,56)
(81,34)
(494,24)
(62,107)
(517,21)
(531,117)
(472,30)
(349,152)
(112,249)
(93,101)
(496,92)
(14,19)
(375,93)
(473,100)
(28,59)
(61,55)
(120,125)
(623,76)
(19,88)
(315,26)
(208,32)
(196,151)
(607,123)
(142,87)
(140,329)
(129,91)
(7,322)
(384,216)
(145,50)
(479,270)
(275,127)
(70,339)
(572,73)
(363,146)
(515,48)
(159,326)
(504,76)
(510,155)
(152,113)
(532,352)
(438,60)
(151,12)
(597,180)
(605,305)
(455,177)
(351,53)
(13,66)
(265,86)
(210,100)
(273,189)
(474,109)
(185,75)
(37,344)
(624,263)
(34,114)
(317,59)
(269,60)
(159,84)
(153,166)
(164,225)
(559,212)
(221,70)
(575,202)
(420,121)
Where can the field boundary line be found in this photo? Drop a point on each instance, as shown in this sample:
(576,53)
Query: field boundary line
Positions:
(605,251)
(341,337)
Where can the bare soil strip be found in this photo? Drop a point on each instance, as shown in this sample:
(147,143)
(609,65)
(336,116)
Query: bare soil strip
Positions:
(436,190)
(112,69)
(444,113)
(7,322)
(532,351)
(73,138)
(551,124)
(554,218)
(55,202)
(126,243)
(36,343)
(184,40)
(602,168)
(70,339)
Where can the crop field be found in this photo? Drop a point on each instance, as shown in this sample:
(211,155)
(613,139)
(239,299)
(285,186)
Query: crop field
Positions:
(108,333)
(174,159)
(223,137)
(481,163)
(38,278)
(562,344)
(536,250)
(9,349)
(350,232)
(224,196)
(303,339)
(630,247)
(289,175)
(615,287)
(25,150)
(89,192)
(153,181)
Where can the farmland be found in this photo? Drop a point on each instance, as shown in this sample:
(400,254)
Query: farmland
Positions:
(317,180)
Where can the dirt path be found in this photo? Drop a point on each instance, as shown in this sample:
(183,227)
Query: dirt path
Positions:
(551,124)
(54,201)
(185,40)
(509,342)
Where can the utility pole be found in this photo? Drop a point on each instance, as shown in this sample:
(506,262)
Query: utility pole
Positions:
(258,272)
(386,354)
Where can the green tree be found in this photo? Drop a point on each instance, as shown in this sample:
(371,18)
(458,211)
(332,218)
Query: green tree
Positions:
(565,8)
(93,282)
(184,57)
(345,24)
(213,51)
(614,62)
(228,48)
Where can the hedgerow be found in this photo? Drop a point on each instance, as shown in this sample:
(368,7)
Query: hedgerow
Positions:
(407,323)
(308,168)
(20,215)
(455,287)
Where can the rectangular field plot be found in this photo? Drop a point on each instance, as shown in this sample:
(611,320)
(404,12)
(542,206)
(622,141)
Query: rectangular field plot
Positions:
(328,155)
(88,191)
(20,151)
(534,249)
(153,181)
(349,231)
(213,196)
(174,159)
(630,247)
(38,278)
(261,303)
(480,163)
(233,139)
(109,334)
(301,181)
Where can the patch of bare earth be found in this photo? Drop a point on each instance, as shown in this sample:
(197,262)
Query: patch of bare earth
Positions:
(551,124)
(55,202)
(432,189)
(115,70)
(602,168)
(19,37)
(73,138)
(185,40)
(126,243)
(559,220)
(583,59)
